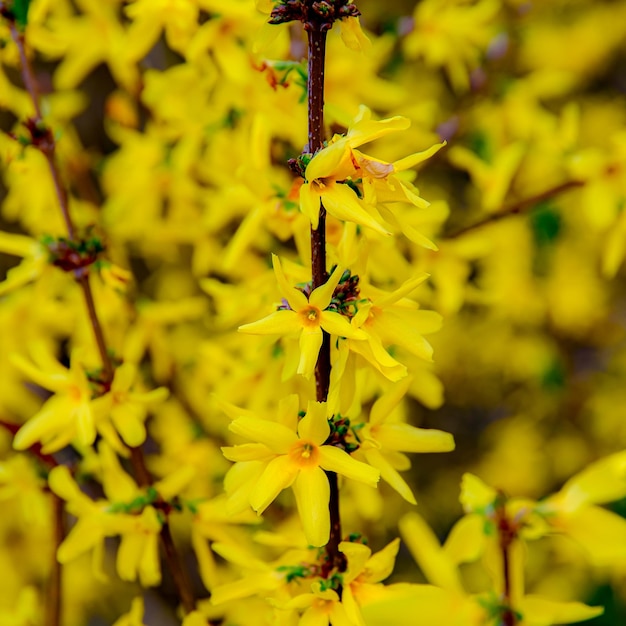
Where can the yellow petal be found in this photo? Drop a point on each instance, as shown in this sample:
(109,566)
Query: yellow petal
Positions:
(275,436)
(310,204)
(337,325)
(352,34)
(367,130)
(277,323)
(466,540)
(312,493)
(387,403)
(475,494)
(401,292)
(341,202)
(412,160)
(600,482)
(310,344)
(381,564)
(406,438)
(543,612)
(336,460)
(314,425)
(278,475)
(296,299)
(83,536)
(425,548)
(248,452)
(322,296)
(389,474)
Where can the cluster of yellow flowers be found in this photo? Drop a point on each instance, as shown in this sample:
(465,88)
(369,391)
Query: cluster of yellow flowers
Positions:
(165,417)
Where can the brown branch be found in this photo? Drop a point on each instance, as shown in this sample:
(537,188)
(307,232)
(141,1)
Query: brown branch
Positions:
(507,533)
(47,148)
(517,207)
(47,145)
(316,32)
(317,55)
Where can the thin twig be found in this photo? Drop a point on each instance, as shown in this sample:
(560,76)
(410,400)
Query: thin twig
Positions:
(107,363)
(517,207)
(507,533)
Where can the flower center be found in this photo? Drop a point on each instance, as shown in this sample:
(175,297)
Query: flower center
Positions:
(310,316)
(304,453)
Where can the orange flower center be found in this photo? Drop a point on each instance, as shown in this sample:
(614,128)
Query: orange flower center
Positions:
(304,453)
(310,316)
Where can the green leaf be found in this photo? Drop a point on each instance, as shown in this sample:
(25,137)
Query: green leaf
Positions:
(546,224)
(20,11)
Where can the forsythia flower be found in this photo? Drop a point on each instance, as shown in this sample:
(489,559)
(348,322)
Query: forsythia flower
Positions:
(35,260)
(127,409)
(127,512)
(452,34)
(335,172)
(384,440)
(448,602)
(68,414)
(308,316)
(73,413)
(321,607)
(297,457)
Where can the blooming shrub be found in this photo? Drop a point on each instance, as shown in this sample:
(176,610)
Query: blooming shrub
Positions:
(258,260)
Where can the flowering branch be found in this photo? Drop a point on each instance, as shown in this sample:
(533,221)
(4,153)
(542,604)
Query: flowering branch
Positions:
(517,207)
(42,138)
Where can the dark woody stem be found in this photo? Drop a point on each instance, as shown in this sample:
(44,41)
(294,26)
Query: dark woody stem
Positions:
(142,474)
(49,151)
(317,54)
(316,32)
(507,533)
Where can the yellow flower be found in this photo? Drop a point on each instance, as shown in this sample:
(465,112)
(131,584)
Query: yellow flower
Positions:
(84,41)
(492,179)
(384,440)
(352,34)
(393,319)
(362,579)
(127,511)
(307,316)
(179,19)
(21,484)
(321,607)
(127,409)
(35,260)
(73,413)
(298,459)
(68,414)
(353,186)
(452,34)
(449,603)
